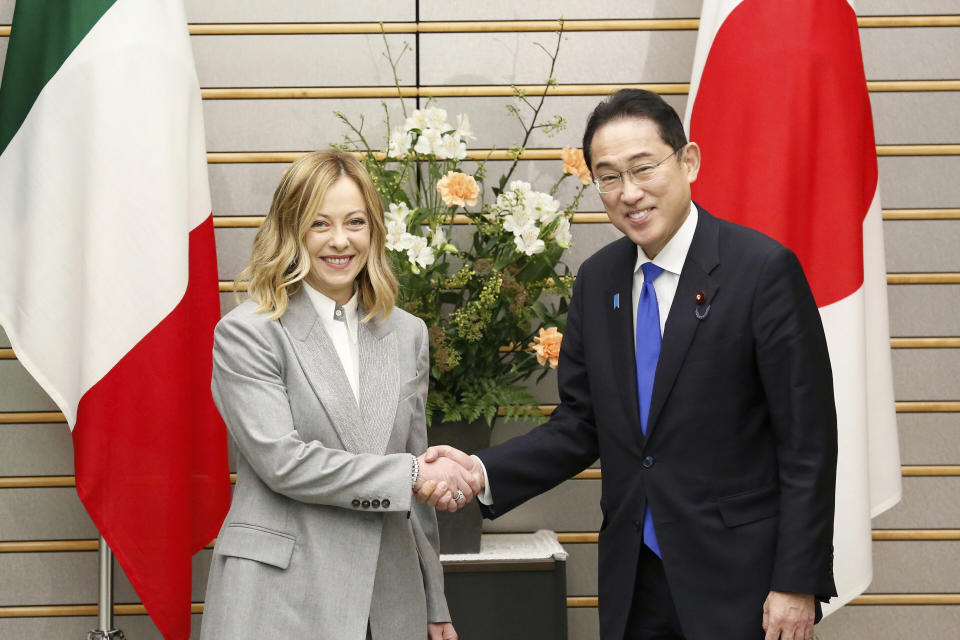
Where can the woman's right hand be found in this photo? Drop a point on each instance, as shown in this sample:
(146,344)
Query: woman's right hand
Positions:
(439,482)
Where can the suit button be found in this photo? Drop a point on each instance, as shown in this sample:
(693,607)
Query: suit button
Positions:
(647,462)
(355,503)
(637,525)
(365,504)
(385,503)
(375,503)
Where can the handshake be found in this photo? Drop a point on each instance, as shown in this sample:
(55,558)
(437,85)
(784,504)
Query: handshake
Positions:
(448,478)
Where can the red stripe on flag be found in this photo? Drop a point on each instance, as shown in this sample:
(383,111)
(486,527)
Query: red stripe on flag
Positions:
(783,119)
(150,448)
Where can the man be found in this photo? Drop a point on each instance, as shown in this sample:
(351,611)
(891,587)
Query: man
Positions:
(694,365)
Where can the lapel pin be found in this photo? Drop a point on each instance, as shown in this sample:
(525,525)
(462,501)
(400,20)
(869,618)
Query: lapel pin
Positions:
(616,301)
(699,311)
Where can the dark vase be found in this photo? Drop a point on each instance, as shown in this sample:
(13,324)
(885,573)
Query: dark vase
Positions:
(460,531)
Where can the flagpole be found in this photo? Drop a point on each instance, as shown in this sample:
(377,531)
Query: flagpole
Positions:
(105,631)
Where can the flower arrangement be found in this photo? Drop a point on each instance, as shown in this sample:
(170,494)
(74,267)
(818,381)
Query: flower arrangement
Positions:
(483,268)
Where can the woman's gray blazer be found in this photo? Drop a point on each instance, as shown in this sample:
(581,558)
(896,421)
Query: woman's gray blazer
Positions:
(322,533)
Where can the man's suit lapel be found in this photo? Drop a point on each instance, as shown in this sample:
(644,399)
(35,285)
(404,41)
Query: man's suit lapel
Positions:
(361,428)
(620,331)
(682,321)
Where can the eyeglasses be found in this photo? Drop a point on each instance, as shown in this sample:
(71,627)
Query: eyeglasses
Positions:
(638,174)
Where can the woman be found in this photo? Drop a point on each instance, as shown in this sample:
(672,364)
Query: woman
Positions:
(322,385)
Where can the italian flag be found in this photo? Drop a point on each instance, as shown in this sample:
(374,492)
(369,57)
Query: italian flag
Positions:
(108,280)
(779,106)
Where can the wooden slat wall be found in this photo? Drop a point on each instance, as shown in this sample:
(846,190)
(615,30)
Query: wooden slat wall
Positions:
(249,127)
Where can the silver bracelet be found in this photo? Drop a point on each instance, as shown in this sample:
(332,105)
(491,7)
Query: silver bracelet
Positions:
(414,471)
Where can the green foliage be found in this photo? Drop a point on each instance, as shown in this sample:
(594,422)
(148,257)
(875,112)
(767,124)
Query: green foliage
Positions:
(486,285)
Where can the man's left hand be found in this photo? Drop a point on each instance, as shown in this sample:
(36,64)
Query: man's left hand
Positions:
(788,616)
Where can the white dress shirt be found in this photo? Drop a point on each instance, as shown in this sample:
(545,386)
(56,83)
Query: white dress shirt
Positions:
(342,333)
(670,259)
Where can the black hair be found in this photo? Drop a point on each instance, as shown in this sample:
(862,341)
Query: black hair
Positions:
(635,103)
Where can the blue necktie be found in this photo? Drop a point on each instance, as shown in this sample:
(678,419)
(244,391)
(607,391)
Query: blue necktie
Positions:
(648,352)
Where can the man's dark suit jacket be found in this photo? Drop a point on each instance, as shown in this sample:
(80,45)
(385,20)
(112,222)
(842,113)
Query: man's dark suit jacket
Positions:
(739,461)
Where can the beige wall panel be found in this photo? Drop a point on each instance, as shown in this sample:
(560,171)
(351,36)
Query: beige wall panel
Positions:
(3,52)
(68,628)
(505,58)
(581,569)
(919,566)
(573,505)
(495,127)
(922,245)
(928,503)
(299,11)
(924,309)
(298,60)
(929,438)
(35,450)
(53,513)
(6,11)
(4,340)
(911,53)
(269,125)
(233,250)
(19,391)
(926,374)
(919,182)
(285,124)
(49,578)
(906,7)
(569,9)
(244,189)
(921,117)
(891,623)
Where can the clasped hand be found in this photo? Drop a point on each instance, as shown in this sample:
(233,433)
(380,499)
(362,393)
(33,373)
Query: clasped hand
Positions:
(444,471)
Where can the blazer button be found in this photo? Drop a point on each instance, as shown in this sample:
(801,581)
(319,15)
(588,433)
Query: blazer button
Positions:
(356,503)
(647,462)
(385,503)
(365,504)
(637,525)
(375,503)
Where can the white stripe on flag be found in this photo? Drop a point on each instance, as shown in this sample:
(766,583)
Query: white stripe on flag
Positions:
(97,232)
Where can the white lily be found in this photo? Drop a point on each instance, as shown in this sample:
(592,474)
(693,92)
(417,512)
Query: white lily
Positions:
(451,147)
(400,143)
(463,127)
(529,242)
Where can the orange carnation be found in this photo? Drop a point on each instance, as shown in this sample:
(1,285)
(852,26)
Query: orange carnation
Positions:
(547,346)
(458,189)
(575,165)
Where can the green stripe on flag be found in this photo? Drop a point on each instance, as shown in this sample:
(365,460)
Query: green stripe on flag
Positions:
(43,34)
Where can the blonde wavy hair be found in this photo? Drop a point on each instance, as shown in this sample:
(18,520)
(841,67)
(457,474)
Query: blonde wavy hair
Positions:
(280,261)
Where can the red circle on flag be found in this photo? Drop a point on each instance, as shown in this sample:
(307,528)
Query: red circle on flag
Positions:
(783,119)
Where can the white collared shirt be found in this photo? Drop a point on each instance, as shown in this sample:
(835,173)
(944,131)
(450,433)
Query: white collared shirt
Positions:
(670,259)
(342,334)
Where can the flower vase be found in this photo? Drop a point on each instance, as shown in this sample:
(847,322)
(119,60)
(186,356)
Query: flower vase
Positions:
(460,531)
